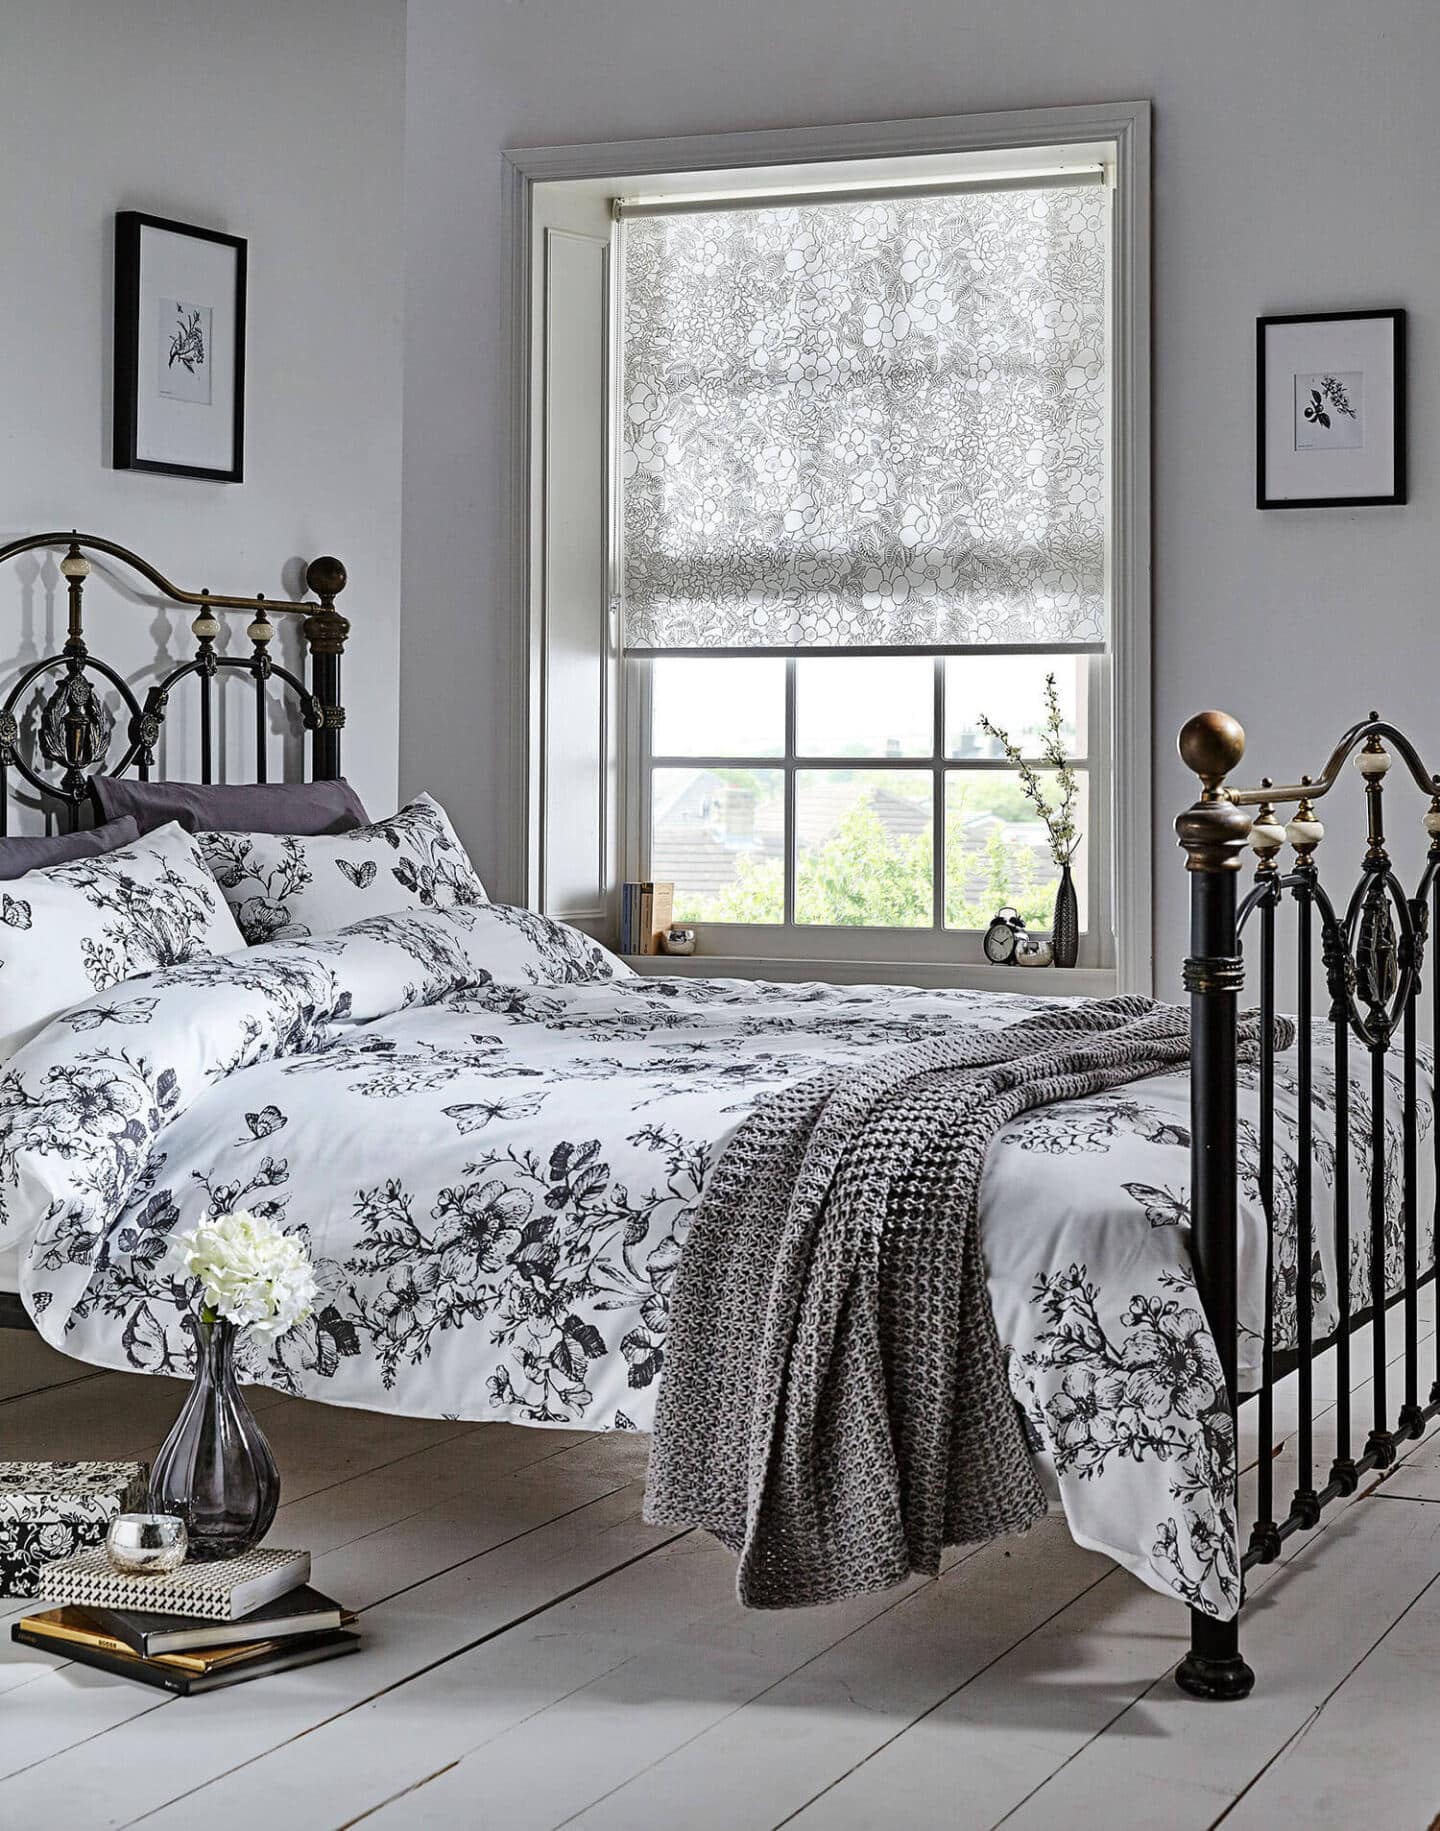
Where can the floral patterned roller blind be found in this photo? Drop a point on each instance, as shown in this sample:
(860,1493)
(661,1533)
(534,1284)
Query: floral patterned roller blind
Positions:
(853,424)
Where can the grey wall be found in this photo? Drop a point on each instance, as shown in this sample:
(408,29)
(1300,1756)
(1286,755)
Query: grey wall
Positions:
(1295,144)
(279,122)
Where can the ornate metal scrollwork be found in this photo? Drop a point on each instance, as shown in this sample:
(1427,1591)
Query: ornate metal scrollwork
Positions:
(1381,940)
(60,719)
(75,724)
(1377,948)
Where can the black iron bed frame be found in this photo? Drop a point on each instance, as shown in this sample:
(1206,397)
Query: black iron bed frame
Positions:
(74,728)
(1371,957)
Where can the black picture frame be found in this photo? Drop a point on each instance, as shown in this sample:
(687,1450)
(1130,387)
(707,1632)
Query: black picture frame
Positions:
(1395,315)
(129,228)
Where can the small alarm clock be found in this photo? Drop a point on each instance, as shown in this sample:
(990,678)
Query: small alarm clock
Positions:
(1003,936)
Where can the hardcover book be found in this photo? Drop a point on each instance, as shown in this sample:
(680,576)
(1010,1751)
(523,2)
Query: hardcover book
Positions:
(299,1611)
(68,1628)
(175,1672)
(215,1592)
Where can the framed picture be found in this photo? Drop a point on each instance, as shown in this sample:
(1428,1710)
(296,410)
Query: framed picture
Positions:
(179,348)
(1331,394)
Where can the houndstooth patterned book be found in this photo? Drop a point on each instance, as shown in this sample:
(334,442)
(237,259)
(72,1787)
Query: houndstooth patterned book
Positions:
(225,1591)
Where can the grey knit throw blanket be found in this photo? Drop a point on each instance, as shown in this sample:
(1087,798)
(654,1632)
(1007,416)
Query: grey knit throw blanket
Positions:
(834,1406)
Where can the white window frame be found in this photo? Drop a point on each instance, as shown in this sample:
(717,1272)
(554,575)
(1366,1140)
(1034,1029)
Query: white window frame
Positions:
(745,946)
(720,163)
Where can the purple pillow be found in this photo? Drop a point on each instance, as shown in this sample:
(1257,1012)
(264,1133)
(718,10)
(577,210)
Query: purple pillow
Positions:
(305,808)
(17,856)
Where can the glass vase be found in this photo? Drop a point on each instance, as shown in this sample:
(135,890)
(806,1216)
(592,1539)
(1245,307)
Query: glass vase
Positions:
(215,1469)
(1065,935)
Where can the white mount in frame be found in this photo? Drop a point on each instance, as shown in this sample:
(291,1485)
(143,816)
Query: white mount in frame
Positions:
(1330,410)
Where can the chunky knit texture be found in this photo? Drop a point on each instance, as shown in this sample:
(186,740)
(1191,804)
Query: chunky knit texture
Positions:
(834,1406)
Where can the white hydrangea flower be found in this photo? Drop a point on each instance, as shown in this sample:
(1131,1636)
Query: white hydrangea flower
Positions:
(251,1273)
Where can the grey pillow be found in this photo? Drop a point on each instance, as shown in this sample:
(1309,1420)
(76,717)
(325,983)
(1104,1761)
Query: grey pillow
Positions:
(17,856)
(306,808)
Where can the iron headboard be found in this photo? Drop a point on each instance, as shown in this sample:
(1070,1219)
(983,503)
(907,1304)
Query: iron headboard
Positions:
(75,728)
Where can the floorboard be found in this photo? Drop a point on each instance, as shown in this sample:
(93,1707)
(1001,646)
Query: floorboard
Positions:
(538,1656)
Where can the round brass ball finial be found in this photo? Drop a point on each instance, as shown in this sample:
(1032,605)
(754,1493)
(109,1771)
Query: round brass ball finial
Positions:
(325,576)
(1211,744)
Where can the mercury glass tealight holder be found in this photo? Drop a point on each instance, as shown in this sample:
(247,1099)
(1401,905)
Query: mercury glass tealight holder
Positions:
(146,1544)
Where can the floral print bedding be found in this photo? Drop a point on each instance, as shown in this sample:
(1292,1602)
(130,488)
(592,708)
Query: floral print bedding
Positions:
(493,1137)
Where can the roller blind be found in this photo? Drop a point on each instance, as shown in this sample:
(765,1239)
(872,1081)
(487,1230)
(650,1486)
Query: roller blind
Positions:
(868,422)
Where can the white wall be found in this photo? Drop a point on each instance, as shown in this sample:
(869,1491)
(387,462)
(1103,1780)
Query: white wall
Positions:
(273,120)
(1295,144)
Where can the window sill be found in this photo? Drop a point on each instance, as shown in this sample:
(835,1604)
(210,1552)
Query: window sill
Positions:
(966,975)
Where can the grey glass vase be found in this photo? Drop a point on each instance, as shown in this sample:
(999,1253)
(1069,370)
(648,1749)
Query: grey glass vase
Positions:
(1065,935)
(215,1469)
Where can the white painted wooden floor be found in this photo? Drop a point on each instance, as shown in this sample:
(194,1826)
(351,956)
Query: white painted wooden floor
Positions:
(538,1657)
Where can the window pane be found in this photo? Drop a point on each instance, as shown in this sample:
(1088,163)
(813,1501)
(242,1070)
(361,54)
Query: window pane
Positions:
(728,707)
(997,850)
(864,848)
(1010,691)
(865,706)
(719,834)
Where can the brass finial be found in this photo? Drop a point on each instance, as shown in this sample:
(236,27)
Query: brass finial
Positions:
(1212,832)
(326,578)
(1210,745)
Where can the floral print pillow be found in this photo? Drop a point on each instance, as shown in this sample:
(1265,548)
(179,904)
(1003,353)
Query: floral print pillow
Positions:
(284,885)
(69,931)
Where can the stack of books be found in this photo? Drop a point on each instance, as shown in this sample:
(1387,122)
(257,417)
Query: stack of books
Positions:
(197,1629)
(646,911)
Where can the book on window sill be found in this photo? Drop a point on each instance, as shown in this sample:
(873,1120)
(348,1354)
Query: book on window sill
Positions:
(224,1666)
(299,1611)
(223,1591)
(646,911)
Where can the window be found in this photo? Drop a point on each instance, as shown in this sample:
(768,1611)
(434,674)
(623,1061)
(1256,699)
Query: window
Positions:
(825,442)
(857,792)
(864,501)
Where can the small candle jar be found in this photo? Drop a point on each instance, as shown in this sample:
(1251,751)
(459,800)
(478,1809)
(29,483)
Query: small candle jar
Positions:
(146,1544)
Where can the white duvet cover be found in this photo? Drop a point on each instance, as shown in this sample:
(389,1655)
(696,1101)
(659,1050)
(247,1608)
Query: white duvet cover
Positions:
(494,1137)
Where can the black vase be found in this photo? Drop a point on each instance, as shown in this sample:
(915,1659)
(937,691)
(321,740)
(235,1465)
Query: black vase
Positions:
(215,1470)
(1065,935)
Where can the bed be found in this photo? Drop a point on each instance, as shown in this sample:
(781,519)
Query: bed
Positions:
(496,1137)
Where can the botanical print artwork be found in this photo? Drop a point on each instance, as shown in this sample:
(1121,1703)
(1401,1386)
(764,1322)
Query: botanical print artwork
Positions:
(877,421)
(1329,411)
(492,1138)
(184,368)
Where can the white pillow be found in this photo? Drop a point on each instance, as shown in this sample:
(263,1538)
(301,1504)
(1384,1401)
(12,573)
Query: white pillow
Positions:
(283,885)
(68,931)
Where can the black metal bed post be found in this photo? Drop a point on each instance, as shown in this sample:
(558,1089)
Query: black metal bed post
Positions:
(325,632)
(1213,833)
